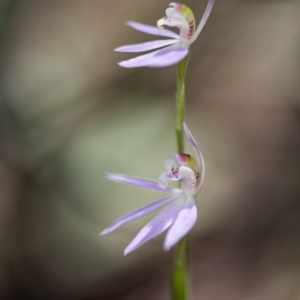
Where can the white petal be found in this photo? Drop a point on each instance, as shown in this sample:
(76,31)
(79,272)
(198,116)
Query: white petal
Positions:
(188,180)
(171,166)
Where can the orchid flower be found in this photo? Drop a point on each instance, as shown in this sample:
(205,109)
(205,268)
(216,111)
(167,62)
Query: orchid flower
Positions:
(180,213)
(177,15)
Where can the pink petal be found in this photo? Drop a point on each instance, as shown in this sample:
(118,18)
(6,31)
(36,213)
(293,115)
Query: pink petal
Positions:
(152,29)
(182,225)
(140,182)
(140,212)
(204,18)
(145,46)
(157,225)
(161,58)
(199,156)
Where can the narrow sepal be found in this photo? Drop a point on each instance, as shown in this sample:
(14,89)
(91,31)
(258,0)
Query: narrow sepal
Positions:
(198,154)
(161,58)
(204,18)
(157,225)
(140,182)
(138,213)
(152,30)
(145,46)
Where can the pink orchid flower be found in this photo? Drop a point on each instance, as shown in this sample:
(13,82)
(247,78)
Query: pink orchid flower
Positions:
(180,213)
(177,15)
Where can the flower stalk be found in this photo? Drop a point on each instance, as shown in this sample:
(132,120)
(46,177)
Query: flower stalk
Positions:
(180,268)
(180,104)
(180,271)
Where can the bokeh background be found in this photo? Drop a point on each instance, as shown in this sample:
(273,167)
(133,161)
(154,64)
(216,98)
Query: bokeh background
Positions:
(68,113)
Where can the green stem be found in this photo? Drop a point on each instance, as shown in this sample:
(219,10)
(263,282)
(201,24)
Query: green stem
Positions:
(180,269)
(180,272)
(180,104)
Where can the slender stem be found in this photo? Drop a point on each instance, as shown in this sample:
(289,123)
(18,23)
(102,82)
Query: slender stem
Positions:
(180,104)
(180,272)
(180,269)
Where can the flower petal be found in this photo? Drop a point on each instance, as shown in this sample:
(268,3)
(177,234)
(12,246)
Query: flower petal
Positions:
(161,58)
(138,213)
(188,182)
(182,225)
(204,18)
(145,46)
(152,29)
(157,225)
(199,156)
(172,167)
(181,16)
(140,182)
(168,56)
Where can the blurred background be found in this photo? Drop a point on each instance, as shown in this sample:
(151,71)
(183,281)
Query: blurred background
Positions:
(69,113)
